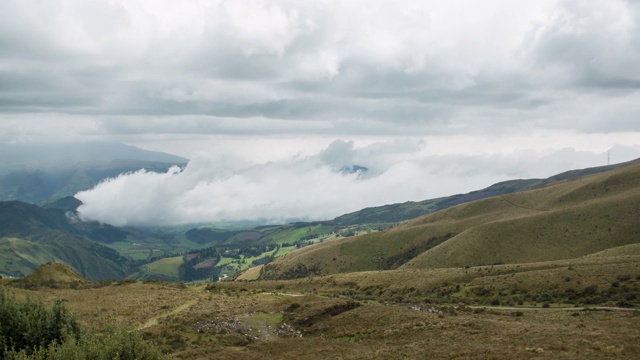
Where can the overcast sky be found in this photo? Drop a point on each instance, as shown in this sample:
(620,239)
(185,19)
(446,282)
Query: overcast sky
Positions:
(434,97)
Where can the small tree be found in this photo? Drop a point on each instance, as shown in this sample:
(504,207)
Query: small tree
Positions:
(26,325)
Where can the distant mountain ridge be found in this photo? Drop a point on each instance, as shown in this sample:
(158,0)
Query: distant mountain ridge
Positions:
(399,212)
(41,173)
(25,156)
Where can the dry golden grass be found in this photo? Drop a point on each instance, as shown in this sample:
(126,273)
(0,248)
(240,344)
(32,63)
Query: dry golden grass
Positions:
(566,220)
(251,273)
(241,321)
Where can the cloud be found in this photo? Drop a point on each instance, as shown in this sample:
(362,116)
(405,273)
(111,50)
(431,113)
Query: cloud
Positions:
(222,189)
(375,67)
(438,96)
(588,44)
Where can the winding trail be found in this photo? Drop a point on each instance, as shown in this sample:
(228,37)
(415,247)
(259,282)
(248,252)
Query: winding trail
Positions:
(154,320)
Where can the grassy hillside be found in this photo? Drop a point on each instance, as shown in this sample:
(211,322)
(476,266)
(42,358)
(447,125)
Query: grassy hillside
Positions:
(19,257)
(31,236)
(548,310)
(167,268)
(394,213)
(565,220)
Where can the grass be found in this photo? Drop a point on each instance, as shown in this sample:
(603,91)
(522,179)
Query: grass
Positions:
(166,267)
(293,234)
(330,317)
(18,257)
(565,220)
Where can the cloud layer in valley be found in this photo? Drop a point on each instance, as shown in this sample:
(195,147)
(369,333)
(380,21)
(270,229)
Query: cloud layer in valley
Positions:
(319,187)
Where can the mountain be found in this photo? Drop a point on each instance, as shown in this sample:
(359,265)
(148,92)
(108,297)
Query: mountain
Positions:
(31,236)
(39,173)
(68,203)
(394,213)
(27,156)
(564,220)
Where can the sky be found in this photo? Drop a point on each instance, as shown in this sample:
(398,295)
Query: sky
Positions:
(274,100)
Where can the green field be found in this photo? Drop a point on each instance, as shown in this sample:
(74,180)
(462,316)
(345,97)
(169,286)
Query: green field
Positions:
(167,267)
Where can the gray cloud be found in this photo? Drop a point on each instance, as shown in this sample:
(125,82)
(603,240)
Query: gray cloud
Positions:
(588,44)
(412,65)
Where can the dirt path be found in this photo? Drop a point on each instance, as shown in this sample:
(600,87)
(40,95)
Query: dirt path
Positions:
(281,294)
(154,320)
(511,308)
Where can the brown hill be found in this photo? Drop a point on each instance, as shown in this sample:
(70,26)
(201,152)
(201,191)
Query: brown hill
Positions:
(565,220)
(54,275)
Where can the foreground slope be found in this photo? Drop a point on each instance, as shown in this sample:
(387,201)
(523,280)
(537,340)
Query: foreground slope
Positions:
(565,220)
(567,309)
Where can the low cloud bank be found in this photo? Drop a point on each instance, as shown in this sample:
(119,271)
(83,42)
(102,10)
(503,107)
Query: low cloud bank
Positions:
(220,189)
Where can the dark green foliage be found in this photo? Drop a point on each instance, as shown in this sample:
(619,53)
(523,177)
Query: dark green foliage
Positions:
(397,260)
(207,235)
(296,272)
(116,344)
(29,324)
(189,269)
(262,260)
(50,235)
(31,330)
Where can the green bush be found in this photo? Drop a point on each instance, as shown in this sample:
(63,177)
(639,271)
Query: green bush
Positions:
(29,330)
(117,344)
(27,325)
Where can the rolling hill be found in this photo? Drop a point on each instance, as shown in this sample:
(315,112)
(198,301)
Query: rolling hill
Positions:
(564,220)
(31,236)
(394,213)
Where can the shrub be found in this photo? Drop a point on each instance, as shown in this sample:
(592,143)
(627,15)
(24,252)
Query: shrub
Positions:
(29,330)
(117,344)
(28,324)
(590,290)
(625,277)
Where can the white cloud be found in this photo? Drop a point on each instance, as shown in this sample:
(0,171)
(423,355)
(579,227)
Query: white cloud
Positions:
(222,189)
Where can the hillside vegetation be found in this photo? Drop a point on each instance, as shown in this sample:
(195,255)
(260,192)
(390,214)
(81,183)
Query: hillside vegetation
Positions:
(565,220)
(564,309)
(394,213)
(31,236)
